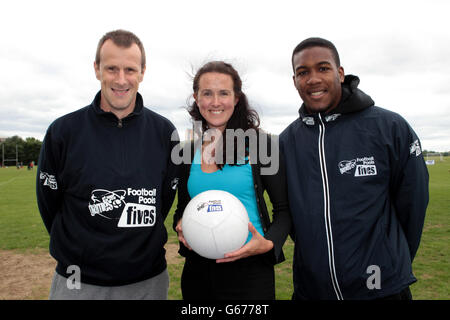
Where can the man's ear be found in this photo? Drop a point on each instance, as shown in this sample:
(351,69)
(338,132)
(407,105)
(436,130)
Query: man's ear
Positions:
(142,73)
(97,70)
(341,74)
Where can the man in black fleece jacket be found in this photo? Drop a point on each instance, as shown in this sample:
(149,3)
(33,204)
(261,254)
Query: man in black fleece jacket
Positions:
(105,185)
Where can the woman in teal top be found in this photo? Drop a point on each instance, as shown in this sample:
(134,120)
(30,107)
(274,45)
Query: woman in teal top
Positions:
(237,180)
(247,273)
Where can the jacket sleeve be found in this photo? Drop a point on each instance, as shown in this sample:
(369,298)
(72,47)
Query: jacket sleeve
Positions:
(183,194)
(409,185)
(171,178)
(276,187)
(182,197)
(48,185)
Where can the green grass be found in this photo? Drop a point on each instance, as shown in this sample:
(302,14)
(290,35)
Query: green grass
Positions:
(21,229)
(21,226)
(432,263)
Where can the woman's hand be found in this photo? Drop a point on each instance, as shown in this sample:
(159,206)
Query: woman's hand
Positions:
(180,235)
(257,245)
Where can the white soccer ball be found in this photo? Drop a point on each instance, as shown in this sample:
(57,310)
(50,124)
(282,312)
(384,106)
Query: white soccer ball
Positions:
(214,223)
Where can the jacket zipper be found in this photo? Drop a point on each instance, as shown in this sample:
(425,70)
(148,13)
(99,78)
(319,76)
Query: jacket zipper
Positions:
(327,211)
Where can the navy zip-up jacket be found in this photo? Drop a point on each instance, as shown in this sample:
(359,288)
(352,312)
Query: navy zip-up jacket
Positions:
(358,192)
(104,189)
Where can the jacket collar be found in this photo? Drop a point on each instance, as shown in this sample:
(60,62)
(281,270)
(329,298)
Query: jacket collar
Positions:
(136,112)
(352,100)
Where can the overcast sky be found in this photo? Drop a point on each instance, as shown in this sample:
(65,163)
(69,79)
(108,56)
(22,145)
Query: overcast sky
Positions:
(399,49)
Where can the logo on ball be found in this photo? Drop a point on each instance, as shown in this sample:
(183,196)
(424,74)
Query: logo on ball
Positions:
(214,223)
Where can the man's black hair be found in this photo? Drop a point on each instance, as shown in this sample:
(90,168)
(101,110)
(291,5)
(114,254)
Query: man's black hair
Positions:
(317,42)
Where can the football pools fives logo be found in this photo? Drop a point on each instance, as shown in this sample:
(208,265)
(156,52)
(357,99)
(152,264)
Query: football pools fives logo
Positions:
(212,206)
(48,180)
(112,205)
(363,167)
(415,148)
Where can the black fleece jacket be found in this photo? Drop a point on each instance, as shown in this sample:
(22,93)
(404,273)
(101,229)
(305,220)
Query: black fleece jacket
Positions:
(104,188)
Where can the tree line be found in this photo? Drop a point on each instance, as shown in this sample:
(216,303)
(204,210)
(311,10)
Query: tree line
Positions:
(431,152)
(27,150)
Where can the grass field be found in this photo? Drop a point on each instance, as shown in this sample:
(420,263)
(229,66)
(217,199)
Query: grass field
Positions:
(22,230)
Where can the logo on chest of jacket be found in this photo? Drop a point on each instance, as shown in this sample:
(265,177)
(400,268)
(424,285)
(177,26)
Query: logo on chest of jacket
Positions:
(132,207)
(360,167)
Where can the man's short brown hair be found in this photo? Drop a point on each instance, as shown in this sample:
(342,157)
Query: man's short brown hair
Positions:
(121,38)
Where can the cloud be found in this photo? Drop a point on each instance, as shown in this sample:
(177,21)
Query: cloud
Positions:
(48,50)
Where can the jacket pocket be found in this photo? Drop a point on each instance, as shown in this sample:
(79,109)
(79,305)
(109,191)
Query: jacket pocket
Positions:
(381,267)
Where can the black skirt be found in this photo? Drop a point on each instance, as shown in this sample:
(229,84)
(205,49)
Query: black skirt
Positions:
(251,278)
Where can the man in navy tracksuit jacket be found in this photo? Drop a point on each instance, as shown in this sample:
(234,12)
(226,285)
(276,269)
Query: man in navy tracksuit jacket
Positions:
(105,185)
(357,185)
